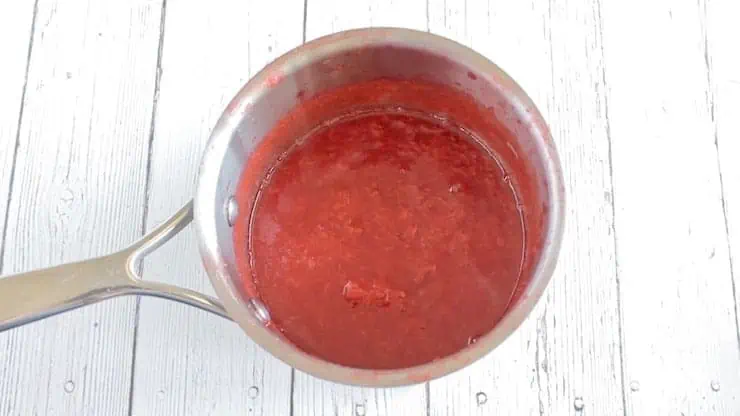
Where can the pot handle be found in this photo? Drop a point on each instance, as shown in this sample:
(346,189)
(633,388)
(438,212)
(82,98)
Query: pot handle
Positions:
(35,295)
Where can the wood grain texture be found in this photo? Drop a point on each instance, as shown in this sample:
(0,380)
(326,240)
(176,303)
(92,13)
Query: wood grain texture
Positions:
(317,397)
(16,25)
(565,358)
(582,354)
(506,381)
(723,65)
(329,16)
(680,340)
(78,191)
(188,361)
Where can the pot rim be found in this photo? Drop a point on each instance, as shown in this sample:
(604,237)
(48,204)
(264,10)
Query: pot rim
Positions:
(218,147)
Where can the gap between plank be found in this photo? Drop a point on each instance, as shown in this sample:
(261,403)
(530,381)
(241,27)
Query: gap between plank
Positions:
(614,209)
(305,17)
(712,107)
(18,132)
(147,190)
(292,370)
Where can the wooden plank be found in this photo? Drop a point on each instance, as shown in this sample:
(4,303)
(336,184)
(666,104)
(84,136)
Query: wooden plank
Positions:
(582,352)
(506,381)
(16,22)
(78,191)
(317,397)
(679,326)
(554,52)
(329,16)
(723,64)
(209,366)
(16,28)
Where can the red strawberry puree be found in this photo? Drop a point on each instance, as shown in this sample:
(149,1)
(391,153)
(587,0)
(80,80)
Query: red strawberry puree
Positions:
(384,239)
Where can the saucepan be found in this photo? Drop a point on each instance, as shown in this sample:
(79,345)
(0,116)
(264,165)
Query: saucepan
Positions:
(326,63)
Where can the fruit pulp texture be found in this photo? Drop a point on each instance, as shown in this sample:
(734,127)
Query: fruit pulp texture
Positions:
(385,239)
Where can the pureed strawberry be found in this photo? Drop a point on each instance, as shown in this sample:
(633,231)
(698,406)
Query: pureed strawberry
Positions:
(385,238)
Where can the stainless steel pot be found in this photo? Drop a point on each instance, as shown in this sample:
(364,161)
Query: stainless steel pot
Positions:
(317,66)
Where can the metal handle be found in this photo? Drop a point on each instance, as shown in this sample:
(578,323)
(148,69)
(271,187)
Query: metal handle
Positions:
(35,295)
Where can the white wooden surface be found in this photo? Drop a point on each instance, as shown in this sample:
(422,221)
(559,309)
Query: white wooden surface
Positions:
(105,107)
(77,191)
(723,62)
(679,318)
